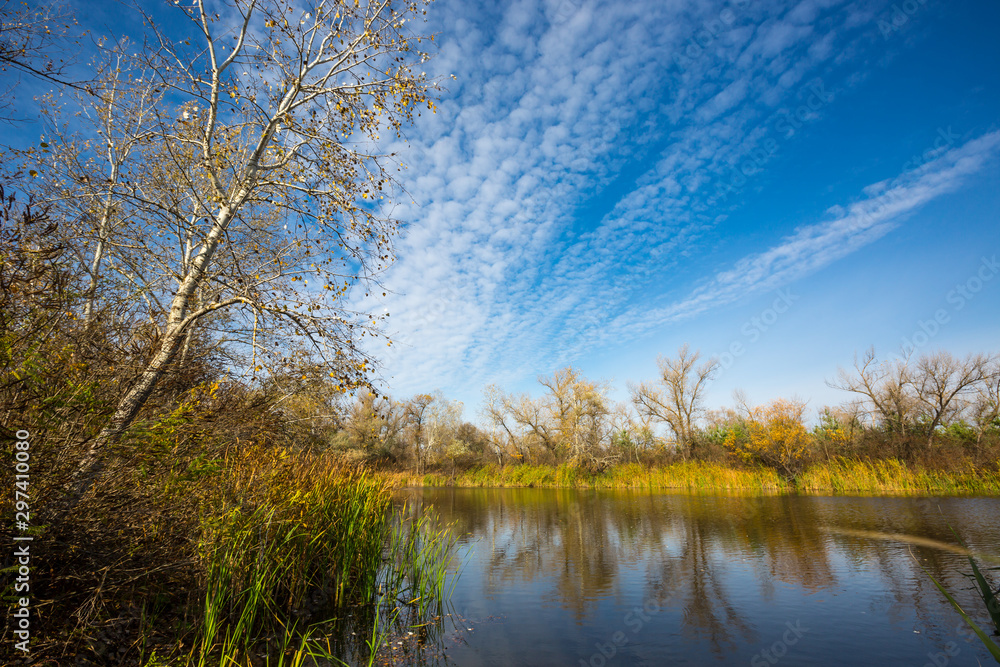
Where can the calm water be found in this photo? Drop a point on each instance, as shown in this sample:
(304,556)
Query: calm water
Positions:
(567,577)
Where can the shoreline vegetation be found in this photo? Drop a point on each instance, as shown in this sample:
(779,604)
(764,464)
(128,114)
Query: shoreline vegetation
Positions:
(196,448)
(174,281)
(245,518)
(840,476)
(252,555)
(252,521)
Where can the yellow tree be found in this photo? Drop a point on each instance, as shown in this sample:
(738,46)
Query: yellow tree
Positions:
(572,419)
(578,412)
(774,436)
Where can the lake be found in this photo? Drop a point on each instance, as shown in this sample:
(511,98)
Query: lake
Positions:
(580,577)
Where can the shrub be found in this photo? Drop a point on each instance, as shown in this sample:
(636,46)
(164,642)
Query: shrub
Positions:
(774,436)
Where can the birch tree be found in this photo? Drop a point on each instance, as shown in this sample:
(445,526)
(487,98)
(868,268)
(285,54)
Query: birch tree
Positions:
(442,421)
(87,162)
(256,197)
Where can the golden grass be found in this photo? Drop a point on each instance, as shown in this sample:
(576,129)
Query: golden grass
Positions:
(842,475)
(837,476)
(688,475)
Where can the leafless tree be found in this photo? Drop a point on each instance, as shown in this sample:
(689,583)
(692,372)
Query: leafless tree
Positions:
(631,431)
(886,389)
(943,383)
(677,397)
(443,420)
(416,414)
(986,410)
(537,430)
(504,431)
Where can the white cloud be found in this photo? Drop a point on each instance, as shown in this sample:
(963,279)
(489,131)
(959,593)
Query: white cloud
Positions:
(574,163)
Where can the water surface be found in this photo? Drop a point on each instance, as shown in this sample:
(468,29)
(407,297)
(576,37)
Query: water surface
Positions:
(580,577)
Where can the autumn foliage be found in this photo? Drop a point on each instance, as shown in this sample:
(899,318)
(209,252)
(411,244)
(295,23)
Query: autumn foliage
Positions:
(774,436)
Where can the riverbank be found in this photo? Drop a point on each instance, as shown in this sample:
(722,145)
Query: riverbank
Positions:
(255,555)
(836,476)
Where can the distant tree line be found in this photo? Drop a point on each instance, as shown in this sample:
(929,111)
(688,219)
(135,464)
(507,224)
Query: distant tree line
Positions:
(935,409)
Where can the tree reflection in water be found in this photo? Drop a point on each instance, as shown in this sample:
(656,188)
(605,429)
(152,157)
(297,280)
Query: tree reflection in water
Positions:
(724,565)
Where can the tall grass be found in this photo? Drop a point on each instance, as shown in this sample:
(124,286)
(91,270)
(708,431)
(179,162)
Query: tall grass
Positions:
(692,475)
(419,553)
(843,475)
(686,475)
(307,532)
(838,475)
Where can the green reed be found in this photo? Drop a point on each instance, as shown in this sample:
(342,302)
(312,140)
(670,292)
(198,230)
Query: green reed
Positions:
(309,527)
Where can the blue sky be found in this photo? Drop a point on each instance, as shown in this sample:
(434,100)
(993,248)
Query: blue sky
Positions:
(605,181)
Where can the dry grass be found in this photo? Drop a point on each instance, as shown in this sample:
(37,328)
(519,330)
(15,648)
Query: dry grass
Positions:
(838,476)
(688,475)
(842,475)
(205,559)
